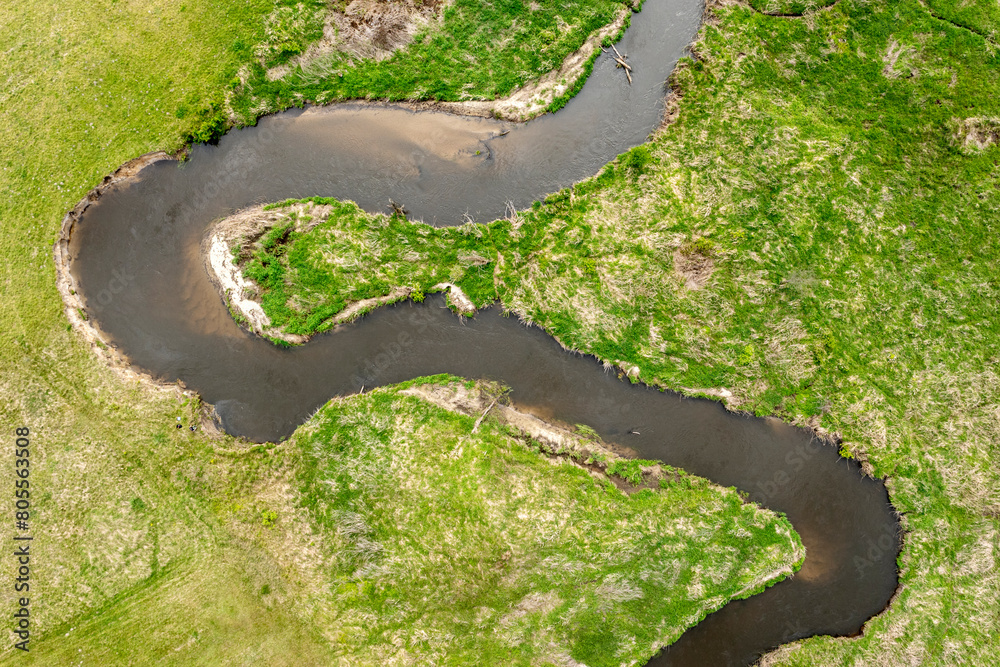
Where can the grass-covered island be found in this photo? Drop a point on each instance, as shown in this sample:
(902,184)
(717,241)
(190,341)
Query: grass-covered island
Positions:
(429,523)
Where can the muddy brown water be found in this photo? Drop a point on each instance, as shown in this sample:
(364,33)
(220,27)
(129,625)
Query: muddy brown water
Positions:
(136,259)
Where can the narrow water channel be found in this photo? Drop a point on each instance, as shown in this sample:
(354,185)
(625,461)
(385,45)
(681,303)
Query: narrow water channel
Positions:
(136,259)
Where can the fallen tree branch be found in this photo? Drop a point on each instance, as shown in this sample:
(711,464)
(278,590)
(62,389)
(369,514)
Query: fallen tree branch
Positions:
(479,421)
(621,62)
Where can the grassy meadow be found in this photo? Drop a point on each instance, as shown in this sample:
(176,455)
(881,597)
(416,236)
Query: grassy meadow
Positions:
(415,534)
(815,236)
(139,551)
(816,233)
(453,51)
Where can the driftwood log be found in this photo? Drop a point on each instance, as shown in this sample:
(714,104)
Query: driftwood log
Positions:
(621,61)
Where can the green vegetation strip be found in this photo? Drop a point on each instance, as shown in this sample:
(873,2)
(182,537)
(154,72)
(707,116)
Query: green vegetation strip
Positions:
(465,50)
(447,540)
(815,237)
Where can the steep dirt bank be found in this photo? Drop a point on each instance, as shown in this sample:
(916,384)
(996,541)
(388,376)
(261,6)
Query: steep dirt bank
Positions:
(74,305)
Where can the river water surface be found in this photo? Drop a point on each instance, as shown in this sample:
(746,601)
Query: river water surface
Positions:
(136,259)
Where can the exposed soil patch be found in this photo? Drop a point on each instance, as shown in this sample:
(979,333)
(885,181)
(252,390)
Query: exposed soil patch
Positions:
(694,267)
(457,299)
(227,274)
(366,29)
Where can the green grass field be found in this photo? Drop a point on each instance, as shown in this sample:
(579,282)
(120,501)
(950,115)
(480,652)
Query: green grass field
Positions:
(434,540)
(469,50)
(839,165)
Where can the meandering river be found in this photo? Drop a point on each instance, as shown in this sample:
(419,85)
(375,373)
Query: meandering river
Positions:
(137,261)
